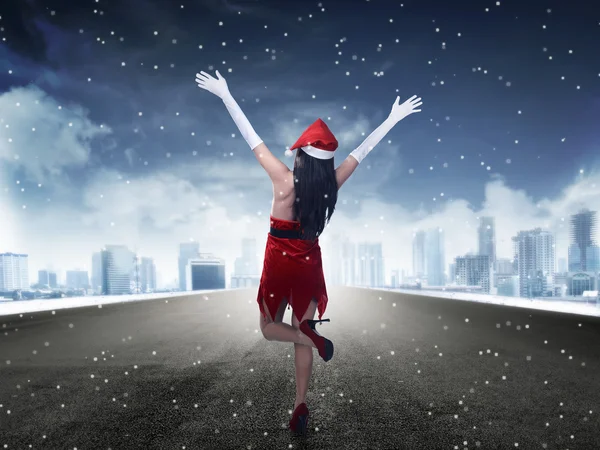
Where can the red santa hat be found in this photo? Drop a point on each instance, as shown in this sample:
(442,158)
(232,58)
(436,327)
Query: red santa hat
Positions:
(317,140)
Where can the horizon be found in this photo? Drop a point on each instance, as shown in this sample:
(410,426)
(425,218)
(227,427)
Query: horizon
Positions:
(106,139)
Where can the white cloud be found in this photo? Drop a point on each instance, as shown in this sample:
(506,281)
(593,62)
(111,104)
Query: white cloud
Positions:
(8,225)
(43,137)
(218,202)
(215,217)
(513,210)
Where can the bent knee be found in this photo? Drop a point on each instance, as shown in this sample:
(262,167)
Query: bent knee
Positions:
(265,335)
(263,327)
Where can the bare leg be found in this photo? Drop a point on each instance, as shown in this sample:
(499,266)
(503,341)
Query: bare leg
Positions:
(276,330)
(303,359)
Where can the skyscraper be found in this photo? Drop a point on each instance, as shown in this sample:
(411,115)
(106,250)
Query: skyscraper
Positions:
(187,250)
(452,273)
(97,272)
(43,277)
(583,251)
(370,265)
(487,237)
(117,269)
(205,271)
(52,280)
(395,279)
(473,270)
(14,271)
(333,261)
(77,279)
(147,275)
(246,272)
(349,263)
(247,264)
(418,254)
(535,258)
(562,265)
(435,257)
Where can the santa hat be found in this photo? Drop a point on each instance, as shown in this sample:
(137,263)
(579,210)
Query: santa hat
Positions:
(317,140)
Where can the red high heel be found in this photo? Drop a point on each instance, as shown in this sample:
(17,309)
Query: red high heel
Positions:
(324,345)
(299,420)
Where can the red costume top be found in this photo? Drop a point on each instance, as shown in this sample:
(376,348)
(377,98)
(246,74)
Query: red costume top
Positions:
(293,270)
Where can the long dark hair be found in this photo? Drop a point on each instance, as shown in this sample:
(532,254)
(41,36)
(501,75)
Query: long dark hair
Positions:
(316,193)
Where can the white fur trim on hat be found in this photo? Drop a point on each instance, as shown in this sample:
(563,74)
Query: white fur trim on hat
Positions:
(318,153)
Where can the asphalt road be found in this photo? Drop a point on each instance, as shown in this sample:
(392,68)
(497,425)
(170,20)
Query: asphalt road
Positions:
(409,372)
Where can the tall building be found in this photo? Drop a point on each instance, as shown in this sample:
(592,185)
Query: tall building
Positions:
(97,272)
(370,265)
(47,278)
(507,285)
(473,270)
(435,257)
(452,273)
(584,254)
(418,254)
(52,280)
(247,264)
(187,250)
(14,271)
(535,261)
(504,266)
(246,272)
(117,269)
(77,279)
(562,265)
(147,274)
(43,278)
(396,281)
(487,237)
(349,263)
(333,261)
(205,272)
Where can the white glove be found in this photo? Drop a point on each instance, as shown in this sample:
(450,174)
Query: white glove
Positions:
(216,86)
(398,113)
(220,89)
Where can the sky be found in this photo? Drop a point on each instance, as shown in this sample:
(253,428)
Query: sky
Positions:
(105,138)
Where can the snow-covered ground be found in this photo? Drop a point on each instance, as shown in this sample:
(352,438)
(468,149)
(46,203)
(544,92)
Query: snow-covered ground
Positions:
(9,307)
(592,308)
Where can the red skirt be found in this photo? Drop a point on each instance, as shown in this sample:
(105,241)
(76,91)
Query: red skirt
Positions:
(292,270)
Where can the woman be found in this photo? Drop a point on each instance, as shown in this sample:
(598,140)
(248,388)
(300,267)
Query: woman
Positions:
(304,200)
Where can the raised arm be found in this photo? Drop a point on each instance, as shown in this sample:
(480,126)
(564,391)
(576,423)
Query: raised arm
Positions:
(399,112)
(276,169)
(344,170)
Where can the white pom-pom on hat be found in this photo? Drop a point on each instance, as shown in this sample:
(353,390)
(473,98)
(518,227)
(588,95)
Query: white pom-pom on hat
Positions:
(288,153)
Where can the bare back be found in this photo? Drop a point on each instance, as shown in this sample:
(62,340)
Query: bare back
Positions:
(284,196)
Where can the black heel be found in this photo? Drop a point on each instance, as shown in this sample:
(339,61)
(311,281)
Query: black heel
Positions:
(325,346)
(312,323)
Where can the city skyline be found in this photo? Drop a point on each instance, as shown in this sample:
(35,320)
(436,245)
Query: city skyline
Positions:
(429,259)
(98,147)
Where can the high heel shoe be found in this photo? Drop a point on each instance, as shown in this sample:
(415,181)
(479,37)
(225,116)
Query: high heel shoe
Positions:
(324,345)
(299,420)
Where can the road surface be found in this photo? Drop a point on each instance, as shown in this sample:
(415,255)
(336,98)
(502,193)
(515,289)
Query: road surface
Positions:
(409,372)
